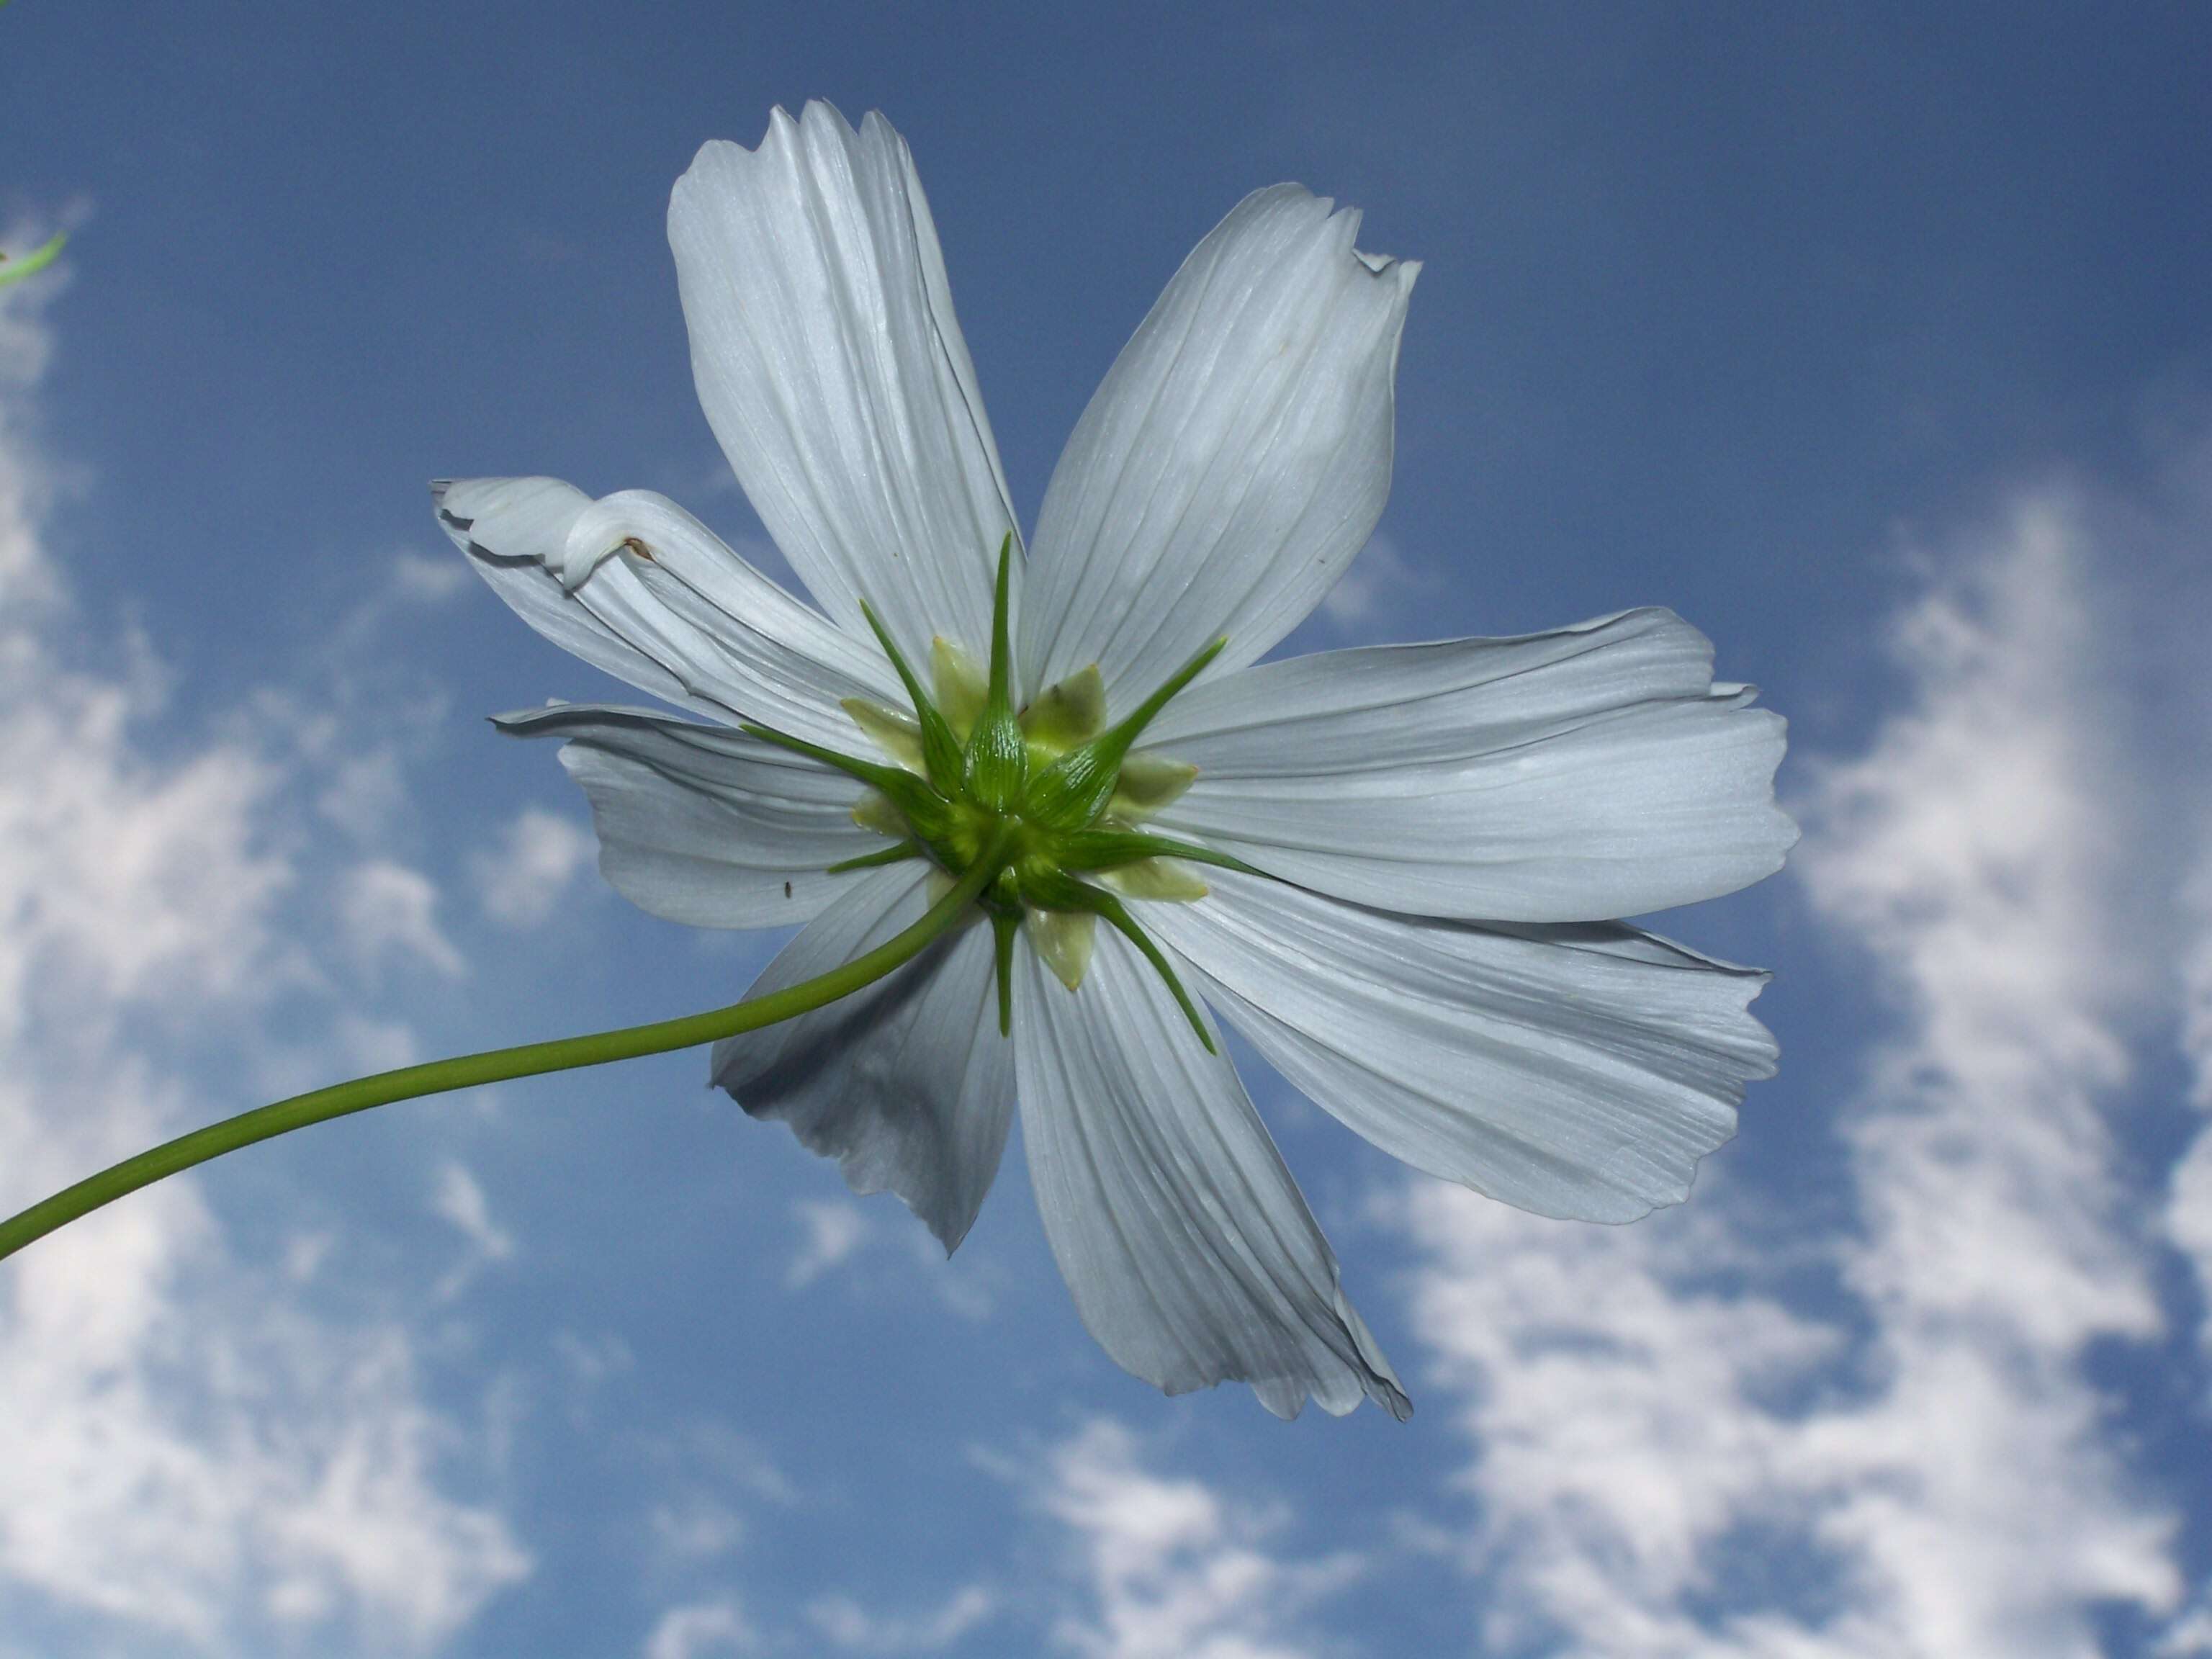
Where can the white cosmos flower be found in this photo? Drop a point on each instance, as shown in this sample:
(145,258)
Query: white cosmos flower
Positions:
(1445,829)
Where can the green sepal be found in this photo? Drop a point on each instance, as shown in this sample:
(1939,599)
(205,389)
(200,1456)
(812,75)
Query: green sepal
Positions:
(940,750)
(1006,924)
(997,761)
(1051,890)
(898,852)
(1110,849)
(923,807)
(1075,789)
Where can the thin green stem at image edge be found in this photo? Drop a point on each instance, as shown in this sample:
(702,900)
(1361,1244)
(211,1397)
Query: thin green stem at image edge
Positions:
(31,263)
(497,1065)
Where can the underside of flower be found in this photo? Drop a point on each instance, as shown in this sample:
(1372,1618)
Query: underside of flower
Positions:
(1047,796)
(1446,830)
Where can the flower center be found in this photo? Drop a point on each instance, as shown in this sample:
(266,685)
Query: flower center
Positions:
(1051,794)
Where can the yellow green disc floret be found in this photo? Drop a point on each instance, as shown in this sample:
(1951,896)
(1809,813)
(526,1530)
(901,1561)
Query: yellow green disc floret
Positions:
(1050,797)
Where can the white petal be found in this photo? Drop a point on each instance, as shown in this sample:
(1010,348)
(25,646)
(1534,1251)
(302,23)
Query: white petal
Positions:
(1235,459)
(1192,1257)
(634,585)
(675,589)
(1579,1070)
(513,531)
(833,372)
(907,1083)
(703,826)
(1579,775)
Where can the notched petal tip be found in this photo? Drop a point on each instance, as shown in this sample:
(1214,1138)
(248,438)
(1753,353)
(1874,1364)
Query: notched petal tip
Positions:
(1224,488)
(1285,1396)
(782,131)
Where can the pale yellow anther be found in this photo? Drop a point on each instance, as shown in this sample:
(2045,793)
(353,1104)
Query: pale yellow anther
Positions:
(1063,940)
(962,686)
(1148,782)
(1063,715)
(898,736)
(874,811)
(1169,879)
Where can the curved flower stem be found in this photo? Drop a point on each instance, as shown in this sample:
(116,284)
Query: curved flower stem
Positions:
(466,1071)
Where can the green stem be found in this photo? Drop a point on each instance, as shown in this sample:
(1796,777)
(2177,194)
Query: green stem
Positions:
(467,1071)
(31,263)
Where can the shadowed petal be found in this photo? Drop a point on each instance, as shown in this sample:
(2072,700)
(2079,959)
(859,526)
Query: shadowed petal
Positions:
(1191,1256)
(833,371)
(702,824)
(1235,459)
(1578,775)
(906,1082)
(1579,1070)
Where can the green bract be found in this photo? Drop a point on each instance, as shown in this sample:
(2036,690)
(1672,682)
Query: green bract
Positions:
(1047,795)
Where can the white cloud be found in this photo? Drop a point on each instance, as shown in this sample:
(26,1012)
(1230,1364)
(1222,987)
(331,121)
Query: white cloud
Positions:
(427,580)
(1617,1410)
(2196,980)
(2189,1198)
(695,1528)
(964,1284)
(389,912)
(1645,1427)
(522,881)
(831,1231)
(592,1360)
(373,1045)
(845,1623)
(1379,586)
(1169,1569)
(192,1453)
(698,1629)
(366,797)
(461,1201)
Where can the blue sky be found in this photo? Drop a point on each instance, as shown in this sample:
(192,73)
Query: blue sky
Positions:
(1875,343)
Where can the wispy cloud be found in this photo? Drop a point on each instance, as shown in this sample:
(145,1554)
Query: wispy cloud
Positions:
(1673,1457)
(846,1625)
(2189,1199)
(830,1230)
(532,868)
(1168,1568)
(698,1629)
(422,579)
(194,1452)
(695,1528)
(389,914)
(1381,587)
(460,1202)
